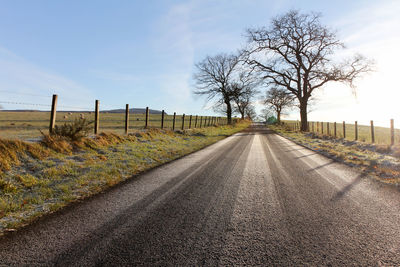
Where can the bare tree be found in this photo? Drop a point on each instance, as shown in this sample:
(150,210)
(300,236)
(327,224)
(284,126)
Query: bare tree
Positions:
(266,114)
(277,100)
(213,78)
(295,52)
(250,112)
(244,89)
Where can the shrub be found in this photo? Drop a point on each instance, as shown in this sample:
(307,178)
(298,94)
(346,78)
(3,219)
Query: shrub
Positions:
(74,131)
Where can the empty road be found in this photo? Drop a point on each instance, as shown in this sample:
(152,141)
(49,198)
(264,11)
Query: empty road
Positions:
(254,198)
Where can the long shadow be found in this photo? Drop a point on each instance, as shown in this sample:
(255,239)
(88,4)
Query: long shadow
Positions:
(348,187)
(305,156)
(321,166)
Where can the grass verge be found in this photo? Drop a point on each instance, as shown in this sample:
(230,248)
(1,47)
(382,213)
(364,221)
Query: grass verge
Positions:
(381,161)
(37,179)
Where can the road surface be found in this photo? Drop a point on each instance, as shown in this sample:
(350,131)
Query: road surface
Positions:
(254,198)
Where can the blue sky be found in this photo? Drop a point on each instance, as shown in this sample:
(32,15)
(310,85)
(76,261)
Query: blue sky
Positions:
(143,52)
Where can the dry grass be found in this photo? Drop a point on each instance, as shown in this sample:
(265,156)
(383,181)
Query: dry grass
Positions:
(13,151)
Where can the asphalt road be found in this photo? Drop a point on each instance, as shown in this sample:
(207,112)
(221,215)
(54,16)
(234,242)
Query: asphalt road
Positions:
(254,198)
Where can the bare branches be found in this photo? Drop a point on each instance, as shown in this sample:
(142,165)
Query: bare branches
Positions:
(278,100)
(213,78)
(295,53)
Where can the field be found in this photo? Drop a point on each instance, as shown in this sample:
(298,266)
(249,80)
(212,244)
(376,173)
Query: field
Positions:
(27,125)
(382,134)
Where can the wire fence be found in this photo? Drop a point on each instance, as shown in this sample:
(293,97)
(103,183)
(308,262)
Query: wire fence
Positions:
(28,122)
(353,131)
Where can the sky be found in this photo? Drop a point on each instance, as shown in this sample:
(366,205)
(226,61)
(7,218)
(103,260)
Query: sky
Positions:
(143,52)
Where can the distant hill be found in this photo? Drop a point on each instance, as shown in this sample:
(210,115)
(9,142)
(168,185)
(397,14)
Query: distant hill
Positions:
(132,110)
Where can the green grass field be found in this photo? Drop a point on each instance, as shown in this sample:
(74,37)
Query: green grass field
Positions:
(382,134)
(27,125)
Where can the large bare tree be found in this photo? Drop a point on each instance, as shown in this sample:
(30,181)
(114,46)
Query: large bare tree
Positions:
(296,52)
(277,100)
(213,78)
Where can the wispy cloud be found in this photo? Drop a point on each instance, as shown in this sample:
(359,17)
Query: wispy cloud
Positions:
(26,80)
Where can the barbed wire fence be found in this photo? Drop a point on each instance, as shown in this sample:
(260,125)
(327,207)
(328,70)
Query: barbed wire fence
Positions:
(25,120)
(353,131)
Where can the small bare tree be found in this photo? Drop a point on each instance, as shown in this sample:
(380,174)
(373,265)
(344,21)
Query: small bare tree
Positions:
(266,114)
(213,78)
(278,100)
(244,90)
(250,112)
(296,53)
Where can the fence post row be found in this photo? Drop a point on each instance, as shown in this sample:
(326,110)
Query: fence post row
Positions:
(195,122)
(96,117)
(53,113)
(126,118)
(162,119)
(173,122)
(190,121)
(391,132)
(183,121)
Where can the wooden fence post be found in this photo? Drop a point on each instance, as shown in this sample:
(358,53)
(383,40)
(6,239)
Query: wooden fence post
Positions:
(126,118)
(53,113)
(312,126)
(96,117)
(183,121)
(334,129)
(344,130)
(356,130)
(173,122)
(327,129)
(162,119)
(391,132)
(372,132)
(190,121)
(195,122)
(322,127)
(146,124)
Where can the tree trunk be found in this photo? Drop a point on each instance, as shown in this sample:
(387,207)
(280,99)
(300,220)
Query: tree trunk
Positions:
(228,111)
(303,115)
(278,117)
(242,114)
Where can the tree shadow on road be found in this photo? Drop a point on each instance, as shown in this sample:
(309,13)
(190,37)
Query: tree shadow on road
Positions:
(339,195)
